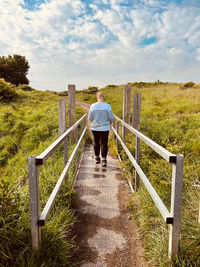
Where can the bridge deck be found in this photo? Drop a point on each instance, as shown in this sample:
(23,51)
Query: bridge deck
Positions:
(106,235)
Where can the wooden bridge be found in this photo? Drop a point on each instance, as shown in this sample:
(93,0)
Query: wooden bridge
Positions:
(105,234)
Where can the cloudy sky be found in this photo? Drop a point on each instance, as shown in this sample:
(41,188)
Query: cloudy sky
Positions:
(102,42)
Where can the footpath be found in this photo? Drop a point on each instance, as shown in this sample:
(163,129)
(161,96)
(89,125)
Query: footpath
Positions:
(106,235)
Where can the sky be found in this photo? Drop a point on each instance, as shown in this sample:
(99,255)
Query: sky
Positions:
(97,43)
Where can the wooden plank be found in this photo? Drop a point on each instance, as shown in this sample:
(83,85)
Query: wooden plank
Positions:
(136,111)
(171,158)
(62,115)
(62,125)
(33,174)
(72,107)
(126,107)
(168,218)
(53,196)
(176,197)
(48,152)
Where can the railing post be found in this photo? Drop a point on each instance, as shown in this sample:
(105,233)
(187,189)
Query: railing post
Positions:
(62,125)
(126,108)
(176,196)
(118,133)
(62,115)
(33,174)
(136,125)
(72,107)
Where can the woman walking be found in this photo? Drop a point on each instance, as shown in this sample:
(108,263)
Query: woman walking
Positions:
(101,117)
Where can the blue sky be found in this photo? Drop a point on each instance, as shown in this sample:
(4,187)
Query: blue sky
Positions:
(103,42)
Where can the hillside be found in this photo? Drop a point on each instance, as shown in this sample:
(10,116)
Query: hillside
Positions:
(170,115)
(28,125)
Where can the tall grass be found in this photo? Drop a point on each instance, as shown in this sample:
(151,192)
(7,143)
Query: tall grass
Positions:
(28,125)
(170,116)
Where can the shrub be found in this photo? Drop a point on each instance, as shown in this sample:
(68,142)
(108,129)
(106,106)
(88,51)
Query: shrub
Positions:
(90,90)
(25,87)
(7,91)
(112,85)
(63,93)
(188,84)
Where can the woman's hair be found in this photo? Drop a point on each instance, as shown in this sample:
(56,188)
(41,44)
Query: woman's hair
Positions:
(100,95)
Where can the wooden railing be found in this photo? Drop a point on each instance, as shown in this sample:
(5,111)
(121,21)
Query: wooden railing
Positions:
(34,162)
(173,216)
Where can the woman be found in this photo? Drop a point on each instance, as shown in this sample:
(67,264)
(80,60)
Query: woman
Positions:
(101,117)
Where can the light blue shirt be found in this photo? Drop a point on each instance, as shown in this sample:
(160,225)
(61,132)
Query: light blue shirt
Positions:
(100,115)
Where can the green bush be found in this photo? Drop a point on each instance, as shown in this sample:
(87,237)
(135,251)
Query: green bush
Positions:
(188,84)
(7,91)
(90,90)
(25,87)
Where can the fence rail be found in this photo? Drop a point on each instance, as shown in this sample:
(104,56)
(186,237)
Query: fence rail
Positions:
(50,150)
(173,216)
(58,185)
(171,158)
(168,218)
(33,167)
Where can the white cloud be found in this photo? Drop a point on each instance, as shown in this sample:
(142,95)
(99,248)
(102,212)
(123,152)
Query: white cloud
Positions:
(67,43)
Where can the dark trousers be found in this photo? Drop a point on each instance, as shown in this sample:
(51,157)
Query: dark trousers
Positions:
(100,143)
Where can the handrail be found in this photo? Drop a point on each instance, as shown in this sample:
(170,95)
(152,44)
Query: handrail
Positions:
(173,218)
(168,218)
(34,163)
(171,158)
(47,153)
(58,185)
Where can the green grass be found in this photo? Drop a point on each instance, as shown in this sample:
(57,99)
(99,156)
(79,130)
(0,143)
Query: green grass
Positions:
(28,125)
(170,116)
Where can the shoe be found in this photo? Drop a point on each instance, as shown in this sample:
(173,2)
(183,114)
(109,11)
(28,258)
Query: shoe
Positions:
(104,163)
(98,160)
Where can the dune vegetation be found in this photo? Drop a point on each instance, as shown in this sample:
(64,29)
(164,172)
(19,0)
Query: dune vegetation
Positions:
(170,116)
(28,125)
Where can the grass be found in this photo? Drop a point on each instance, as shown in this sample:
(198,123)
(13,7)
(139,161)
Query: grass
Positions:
(170,116)
(28,125)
